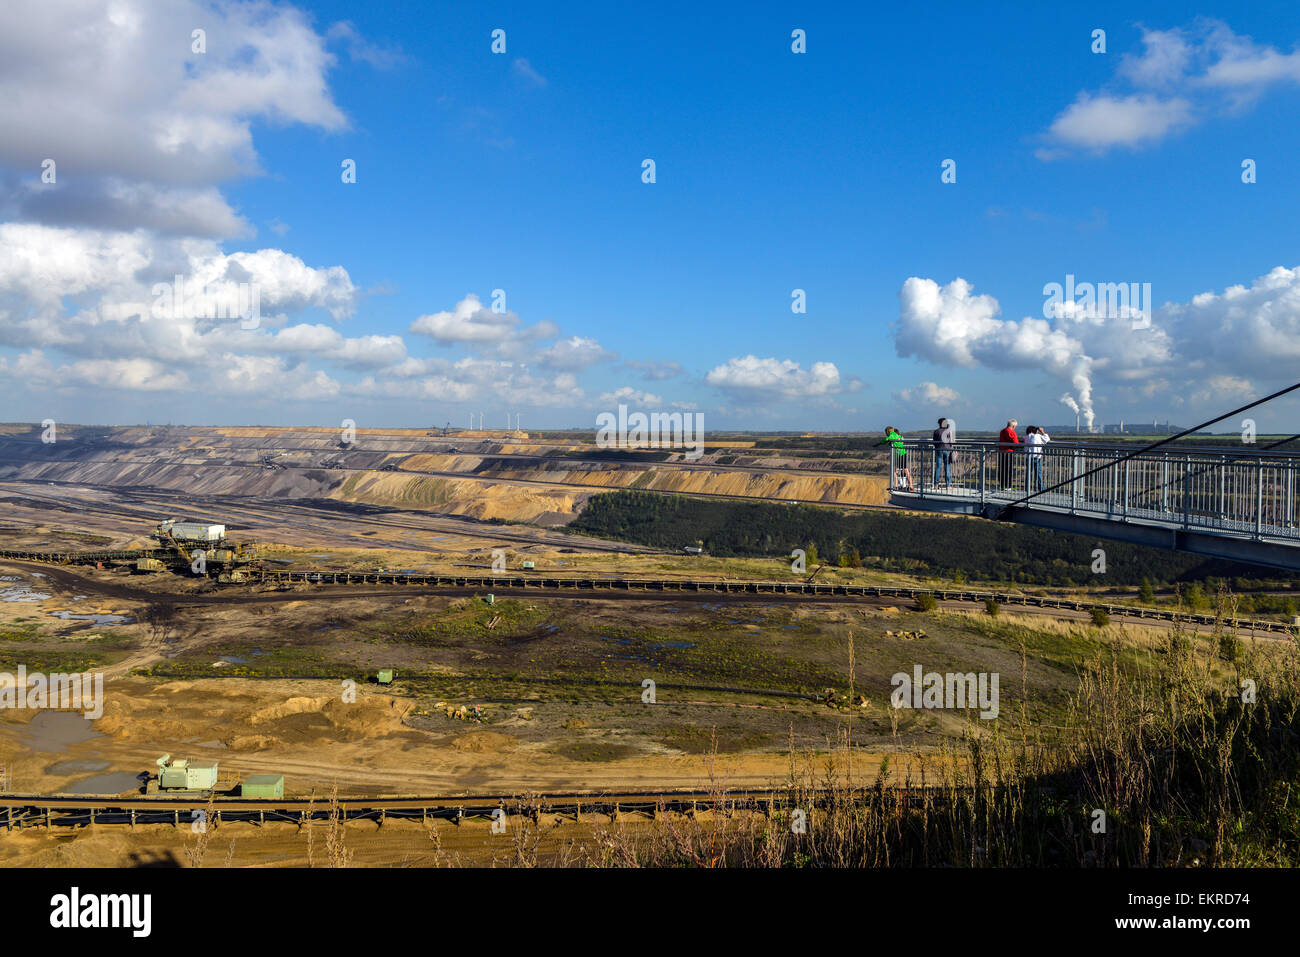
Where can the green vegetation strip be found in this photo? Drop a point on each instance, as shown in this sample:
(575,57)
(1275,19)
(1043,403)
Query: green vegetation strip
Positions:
(946,546)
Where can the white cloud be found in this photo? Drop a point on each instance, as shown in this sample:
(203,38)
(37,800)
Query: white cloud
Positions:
(928,393)
(1221,387)
(1217,346)
(469,321)
(574,353)
(1101,122)
(627,395)
(775,378)
(34,370)
(140,127)
(111,203)
(1182,77)
(272,377)
(93,296)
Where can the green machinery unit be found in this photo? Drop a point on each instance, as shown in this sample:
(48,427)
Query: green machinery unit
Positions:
(262,786)
(186,775)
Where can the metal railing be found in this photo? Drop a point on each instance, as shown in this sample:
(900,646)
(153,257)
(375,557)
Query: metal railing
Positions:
(1255,494)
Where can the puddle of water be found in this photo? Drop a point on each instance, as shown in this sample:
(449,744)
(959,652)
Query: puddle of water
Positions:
(54,731)
(22,593)
(672,644)
(621,641)
(76,767)
(97,619)
(114,783)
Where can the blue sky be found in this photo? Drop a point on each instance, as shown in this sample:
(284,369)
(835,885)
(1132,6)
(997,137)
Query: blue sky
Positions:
(775,171)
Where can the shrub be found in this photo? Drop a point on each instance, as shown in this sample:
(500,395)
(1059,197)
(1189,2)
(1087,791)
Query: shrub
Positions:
(1100,618)
(990,607)
(925,602)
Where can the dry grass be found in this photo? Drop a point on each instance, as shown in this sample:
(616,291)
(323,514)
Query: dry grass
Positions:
(1186,771)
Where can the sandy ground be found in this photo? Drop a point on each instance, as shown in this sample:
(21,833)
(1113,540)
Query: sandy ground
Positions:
(305,730)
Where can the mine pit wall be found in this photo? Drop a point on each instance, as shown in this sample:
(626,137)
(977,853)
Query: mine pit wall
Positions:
(381,468)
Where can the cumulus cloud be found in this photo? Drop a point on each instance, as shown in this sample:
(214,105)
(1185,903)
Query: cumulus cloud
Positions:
(1100,122)
(630,396)
(928,393)
(1225,387)
(574,353)
(108,274)
(273,377)
(472,322)
(115,204)
(774,378)
(107,301)
(35,370)
(1246,330)
(140,127)
(1214,346)
(1182,77)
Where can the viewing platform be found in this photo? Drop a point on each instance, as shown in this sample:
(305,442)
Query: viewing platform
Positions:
(1233,504)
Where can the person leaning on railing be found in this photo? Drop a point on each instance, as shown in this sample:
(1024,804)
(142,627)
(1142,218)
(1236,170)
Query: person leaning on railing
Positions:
(1007,442)
(895,438)
(1035,438)
(944,438)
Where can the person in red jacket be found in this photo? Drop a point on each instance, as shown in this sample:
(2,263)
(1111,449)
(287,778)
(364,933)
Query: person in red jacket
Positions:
(1007,442)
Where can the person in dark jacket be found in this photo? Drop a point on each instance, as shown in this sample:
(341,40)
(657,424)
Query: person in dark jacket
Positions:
(944,438)
(1007,442)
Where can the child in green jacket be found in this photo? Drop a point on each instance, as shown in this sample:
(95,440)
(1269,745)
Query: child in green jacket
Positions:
(895,438)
